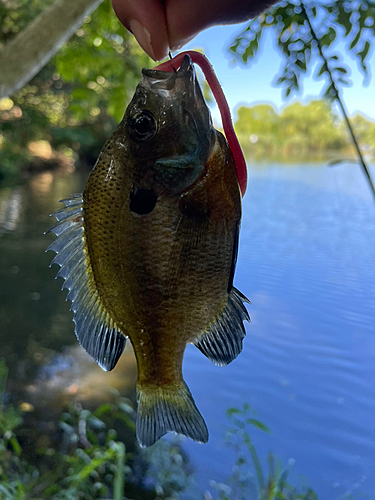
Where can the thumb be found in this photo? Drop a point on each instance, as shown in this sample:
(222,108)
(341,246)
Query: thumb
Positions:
(146,20)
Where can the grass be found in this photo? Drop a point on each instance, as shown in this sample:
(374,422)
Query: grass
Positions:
(250,479)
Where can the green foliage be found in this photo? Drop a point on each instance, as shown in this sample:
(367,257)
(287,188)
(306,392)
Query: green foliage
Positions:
(250,479)
(89,465)
(10,418)
(103,64)
(15,15)
(88,459)
(351,20)
(94,460)
(299,129)
(364,130)
(299,40)
(10,450)
(78,98)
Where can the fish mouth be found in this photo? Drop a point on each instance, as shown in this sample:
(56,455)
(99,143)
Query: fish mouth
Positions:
(180,88)
(156,79)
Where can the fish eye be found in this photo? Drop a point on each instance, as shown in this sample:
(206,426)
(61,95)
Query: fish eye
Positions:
(143,125)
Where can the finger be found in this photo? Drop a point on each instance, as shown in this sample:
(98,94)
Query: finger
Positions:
(187,19)
(146,20)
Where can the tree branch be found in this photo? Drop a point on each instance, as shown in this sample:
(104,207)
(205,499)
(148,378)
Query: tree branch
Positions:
(337,96)
(24,56)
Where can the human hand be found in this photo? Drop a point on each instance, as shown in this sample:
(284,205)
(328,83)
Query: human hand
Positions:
(162,26)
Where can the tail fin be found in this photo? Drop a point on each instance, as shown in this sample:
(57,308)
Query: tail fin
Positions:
(163,409)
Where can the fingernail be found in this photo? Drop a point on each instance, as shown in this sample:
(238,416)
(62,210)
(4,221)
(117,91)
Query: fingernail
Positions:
(181,44)
(143,37)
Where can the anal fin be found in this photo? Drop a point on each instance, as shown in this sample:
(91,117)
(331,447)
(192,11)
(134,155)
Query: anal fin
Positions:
(163,409)
(222,342)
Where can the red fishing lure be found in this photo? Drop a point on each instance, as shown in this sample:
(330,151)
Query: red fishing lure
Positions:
(213,82)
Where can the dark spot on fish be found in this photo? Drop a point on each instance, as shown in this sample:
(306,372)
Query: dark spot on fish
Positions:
(142,201)
(194,210)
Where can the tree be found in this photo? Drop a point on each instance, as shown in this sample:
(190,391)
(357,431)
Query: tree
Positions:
(259,119)
(299,129)
(314,122)
(365,131)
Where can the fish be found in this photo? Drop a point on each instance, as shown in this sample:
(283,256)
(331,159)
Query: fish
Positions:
(148,251)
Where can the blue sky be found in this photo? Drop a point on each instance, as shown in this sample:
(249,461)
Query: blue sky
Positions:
(253,84)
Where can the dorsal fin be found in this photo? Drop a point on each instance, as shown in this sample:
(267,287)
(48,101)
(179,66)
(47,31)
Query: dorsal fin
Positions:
(222,342)
(94,328)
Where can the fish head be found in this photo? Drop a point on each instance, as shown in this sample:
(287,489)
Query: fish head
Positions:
(169,131)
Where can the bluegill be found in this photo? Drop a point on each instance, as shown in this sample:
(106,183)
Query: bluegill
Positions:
(148,251)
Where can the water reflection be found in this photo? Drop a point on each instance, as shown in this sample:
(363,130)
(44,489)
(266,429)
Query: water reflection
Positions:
(10,209)
(33,314)
(40,185)
(73,375)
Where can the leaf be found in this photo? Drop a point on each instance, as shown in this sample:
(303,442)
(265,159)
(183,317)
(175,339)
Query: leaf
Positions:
(363,54)
(104,408)
(355,40)
(365,50)
(327,39)
(281,80)
(341,70)
(344,19)
(15,445)
(256,461)
(92,465)
(96,423)
(119,481)
(257,423)
(343,81)
(294,82)
(232,411)
(323,69)
(330,92)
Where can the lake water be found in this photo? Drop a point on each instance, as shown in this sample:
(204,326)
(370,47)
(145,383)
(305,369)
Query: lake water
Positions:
(307,263)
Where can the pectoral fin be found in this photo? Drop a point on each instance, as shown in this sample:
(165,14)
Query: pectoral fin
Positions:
(174,174)
(222,342)
(94,328)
